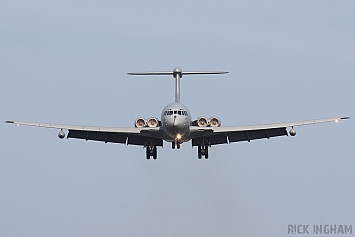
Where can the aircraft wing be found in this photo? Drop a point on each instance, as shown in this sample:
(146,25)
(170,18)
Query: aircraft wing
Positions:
(221,135)
(129,136)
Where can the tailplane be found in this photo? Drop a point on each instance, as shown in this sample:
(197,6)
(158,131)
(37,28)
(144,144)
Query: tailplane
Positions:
(177,73)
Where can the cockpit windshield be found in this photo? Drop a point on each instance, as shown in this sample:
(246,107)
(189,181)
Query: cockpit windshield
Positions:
(178,112)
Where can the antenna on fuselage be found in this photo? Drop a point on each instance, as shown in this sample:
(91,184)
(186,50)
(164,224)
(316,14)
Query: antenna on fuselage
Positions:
(177,73)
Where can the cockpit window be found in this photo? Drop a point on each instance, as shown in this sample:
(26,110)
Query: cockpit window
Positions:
(179,112)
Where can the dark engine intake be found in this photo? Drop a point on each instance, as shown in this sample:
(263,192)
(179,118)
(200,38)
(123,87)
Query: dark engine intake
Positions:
(140,123)
(215,122)
(153,122)
(202,122)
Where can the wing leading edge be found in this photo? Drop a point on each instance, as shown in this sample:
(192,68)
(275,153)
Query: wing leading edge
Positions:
(222,135)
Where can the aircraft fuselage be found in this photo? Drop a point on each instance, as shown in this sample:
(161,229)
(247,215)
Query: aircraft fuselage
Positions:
(176,121)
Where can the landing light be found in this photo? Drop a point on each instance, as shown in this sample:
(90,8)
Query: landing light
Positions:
(178,136)
(336,120)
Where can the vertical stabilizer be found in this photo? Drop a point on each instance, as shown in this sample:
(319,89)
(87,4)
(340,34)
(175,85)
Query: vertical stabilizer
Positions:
(177,74)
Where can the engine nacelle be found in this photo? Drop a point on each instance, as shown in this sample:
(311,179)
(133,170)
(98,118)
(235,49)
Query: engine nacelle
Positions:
(140,123)
(202,122)
(215,122)
(153,122)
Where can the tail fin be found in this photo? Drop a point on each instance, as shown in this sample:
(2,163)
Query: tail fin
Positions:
(177,73)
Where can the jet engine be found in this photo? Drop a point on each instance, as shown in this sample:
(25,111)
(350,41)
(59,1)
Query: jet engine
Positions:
(215,122)
(202,122)
(140,123)
(153,122)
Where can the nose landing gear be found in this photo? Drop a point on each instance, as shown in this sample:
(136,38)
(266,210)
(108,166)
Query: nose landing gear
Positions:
(202,151)
(175,143)
(151,151)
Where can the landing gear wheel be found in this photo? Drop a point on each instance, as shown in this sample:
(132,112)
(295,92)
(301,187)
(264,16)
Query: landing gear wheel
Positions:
(151,152)
(202,151)
(173,145)
(147,152)
(178,145)
(155,153)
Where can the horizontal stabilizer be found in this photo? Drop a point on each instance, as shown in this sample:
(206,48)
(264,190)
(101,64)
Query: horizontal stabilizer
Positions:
(150,73)
(176,71)
(172,73)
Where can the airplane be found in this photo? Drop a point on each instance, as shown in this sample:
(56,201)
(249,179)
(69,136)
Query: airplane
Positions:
(176,127)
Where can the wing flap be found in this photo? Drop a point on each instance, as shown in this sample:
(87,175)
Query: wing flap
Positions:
(238,136)
(249,135)
(98,136)
(114,137)
(210,140)
(144,141)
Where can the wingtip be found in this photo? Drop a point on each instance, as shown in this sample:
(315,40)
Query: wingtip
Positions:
(347,117)
(8,121)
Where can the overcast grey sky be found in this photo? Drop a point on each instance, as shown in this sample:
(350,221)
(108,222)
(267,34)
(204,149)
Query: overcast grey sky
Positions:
(66,62)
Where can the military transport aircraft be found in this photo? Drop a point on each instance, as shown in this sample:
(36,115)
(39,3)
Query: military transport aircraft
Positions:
(176,126)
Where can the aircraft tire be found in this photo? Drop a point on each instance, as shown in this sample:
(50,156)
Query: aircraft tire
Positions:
(155,153)
(147,152)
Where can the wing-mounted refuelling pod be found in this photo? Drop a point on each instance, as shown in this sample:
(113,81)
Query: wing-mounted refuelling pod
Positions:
(292,132)
(61,134)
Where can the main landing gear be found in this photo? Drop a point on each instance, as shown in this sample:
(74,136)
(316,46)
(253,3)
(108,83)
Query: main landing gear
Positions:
(202,151)
(151,151)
